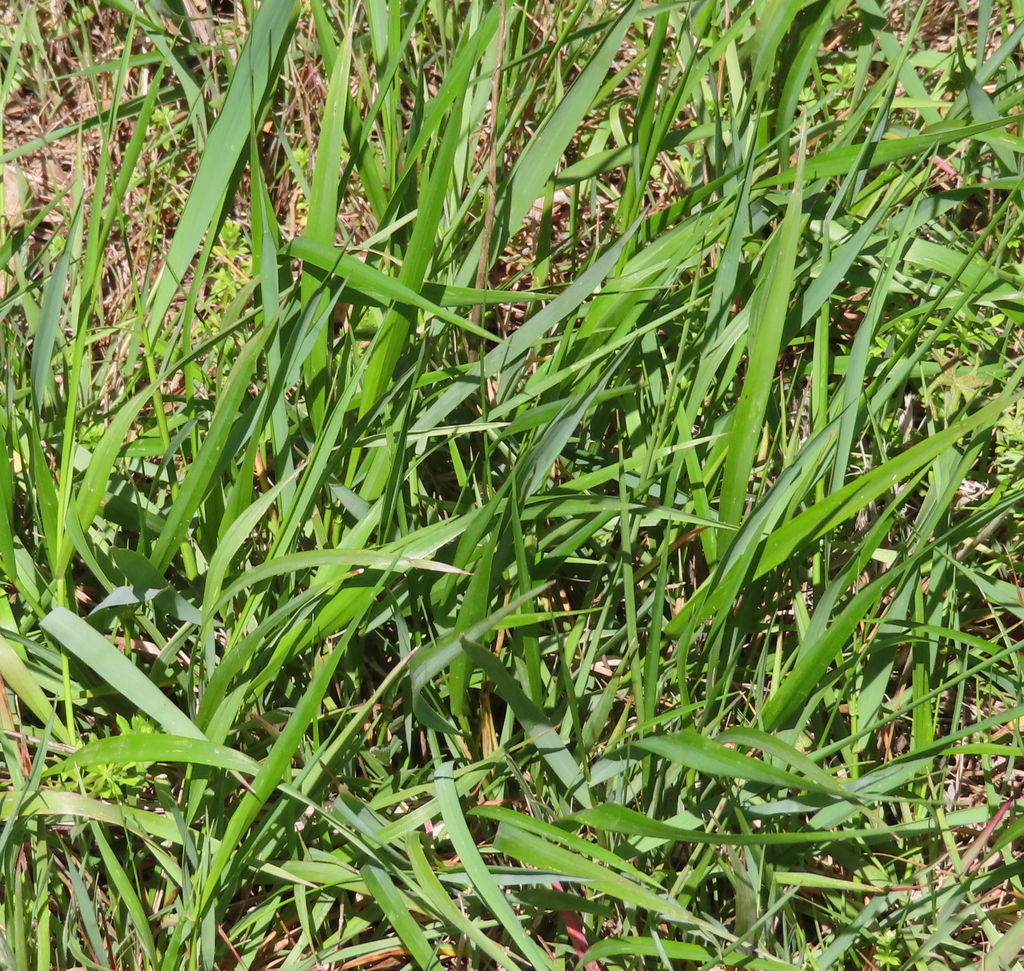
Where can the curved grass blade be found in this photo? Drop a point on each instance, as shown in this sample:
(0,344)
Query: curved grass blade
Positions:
(476,869)
(144,749)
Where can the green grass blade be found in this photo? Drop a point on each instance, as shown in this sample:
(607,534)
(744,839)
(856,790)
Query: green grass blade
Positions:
(110,664)
(476,869)
(252,83)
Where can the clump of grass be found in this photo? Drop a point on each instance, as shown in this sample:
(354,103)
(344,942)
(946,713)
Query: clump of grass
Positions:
(509,487)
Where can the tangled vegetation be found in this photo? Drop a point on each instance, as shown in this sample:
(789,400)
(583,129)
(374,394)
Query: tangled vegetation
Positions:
(511,485)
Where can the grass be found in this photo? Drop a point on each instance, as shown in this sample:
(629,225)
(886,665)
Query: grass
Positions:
(514,486)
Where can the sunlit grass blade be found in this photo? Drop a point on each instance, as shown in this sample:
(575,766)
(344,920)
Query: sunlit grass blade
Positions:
(477,870)
(111,665)
(252,82)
